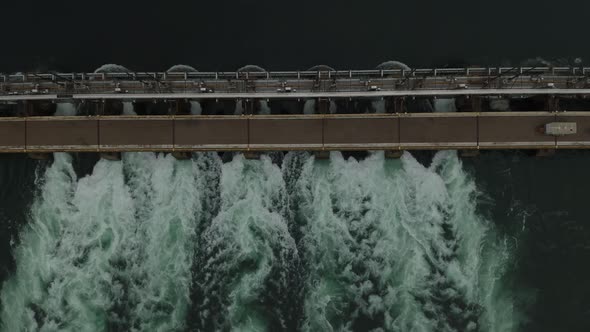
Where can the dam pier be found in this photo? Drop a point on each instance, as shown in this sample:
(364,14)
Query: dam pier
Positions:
(398,109)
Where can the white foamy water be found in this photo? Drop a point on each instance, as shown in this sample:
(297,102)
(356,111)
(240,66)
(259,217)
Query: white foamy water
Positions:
(113,250)
(264,108)
(392,244)
(248,251)
(65,109)
(69,274)
(445,105)
(151,243)
(379,106)
(309,107)
(196,108)
(128,108)
(168,195)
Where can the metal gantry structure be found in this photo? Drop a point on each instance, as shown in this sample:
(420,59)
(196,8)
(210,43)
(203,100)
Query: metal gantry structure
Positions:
(441,82)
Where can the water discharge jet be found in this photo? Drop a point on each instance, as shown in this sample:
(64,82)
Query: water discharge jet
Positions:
(308,244)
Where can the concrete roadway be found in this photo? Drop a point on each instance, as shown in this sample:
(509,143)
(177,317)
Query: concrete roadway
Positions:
(510,130)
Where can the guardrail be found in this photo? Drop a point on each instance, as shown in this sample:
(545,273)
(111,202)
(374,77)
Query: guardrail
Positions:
(337,84)
(399,73)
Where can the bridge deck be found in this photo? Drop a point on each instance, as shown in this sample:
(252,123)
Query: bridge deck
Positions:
(302,132)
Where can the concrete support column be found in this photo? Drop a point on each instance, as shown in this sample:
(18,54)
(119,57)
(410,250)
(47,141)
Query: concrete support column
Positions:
(552,104)
(113,156)
(468,153)
(462,104)
(37,108)
(40,156)
(400,105)
(250,106)
(23,108)
(393,154)
(476,104)
(468,104)
(182,155)
(180,107)
(82,107)
(391,105)
(323,106)
(252,155)
(321,155)
(110,107)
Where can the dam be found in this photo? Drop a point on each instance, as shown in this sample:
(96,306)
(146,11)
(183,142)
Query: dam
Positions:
(268,238)
(310,110)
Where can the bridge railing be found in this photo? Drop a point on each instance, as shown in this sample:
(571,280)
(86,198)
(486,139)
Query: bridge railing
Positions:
(304,81)
(399,73)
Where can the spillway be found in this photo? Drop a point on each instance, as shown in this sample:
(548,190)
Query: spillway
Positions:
(289,241)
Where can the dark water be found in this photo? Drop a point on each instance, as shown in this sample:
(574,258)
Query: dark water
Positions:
(17,187)
(543,203)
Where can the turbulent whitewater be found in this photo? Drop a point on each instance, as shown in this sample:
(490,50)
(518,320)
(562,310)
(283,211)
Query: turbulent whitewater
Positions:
(287,242)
